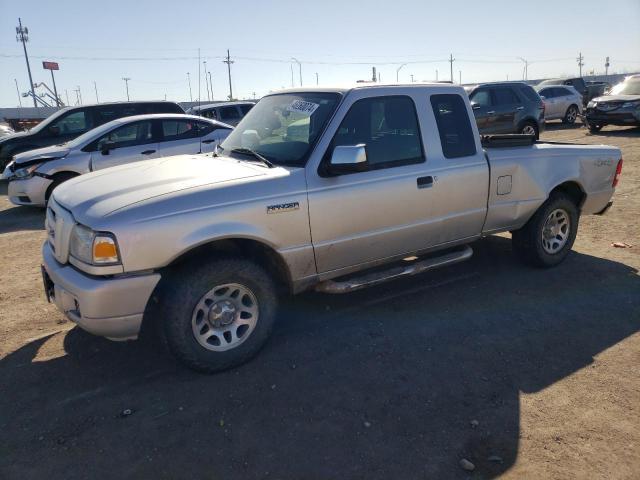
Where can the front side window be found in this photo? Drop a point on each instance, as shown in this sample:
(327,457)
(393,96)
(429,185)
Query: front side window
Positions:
(284,127)
(452,119)
(138,133)
(76,122)
(387,126)
(481,98)
(179,129)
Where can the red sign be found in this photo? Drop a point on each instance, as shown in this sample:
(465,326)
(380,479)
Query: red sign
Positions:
(50,65)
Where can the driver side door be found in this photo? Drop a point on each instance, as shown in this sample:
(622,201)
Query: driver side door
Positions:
(127,143)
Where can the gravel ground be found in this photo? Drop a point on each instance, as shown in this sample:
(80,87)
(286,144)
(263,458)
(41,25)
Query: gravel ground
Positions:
(524,373)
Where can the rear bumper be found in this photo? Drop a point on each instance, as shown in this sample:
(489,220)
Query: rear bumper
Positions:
(605,209)
(110,307)
(30,191)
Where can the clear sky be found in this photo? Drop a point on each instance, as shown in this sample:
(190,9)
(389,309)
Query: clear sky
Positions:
(155,43)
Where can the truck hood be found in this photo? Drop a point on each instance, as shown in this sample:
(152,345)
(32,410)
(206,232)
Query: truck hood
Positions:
(616,98)
(98,194)
(41,155)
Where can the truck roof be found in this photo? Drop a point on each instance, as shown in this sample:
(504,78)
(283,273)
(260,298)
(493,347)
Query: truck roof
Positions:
(369,86)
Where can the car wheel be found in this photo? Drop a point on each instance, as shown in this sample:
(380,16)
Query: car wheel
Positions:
(530,128)
(217,314)
(571,115)
(548,236)
(595,127)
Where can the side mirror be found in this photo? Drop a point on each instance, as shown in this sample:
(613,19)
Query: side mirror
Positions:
(106,147)
(475,106)
(348,159)
(54,130)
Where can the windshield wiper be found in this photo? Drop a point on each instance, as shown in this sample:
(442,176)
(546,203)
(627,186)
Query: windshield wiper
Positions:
(248,151)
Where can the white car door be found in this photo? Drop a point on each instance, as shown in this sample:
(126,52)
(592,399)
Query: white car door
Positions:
(124,144)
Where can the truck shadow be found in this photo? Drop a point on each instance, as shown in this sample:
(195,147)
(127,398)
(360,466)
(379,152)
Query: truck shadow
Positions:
(382,383)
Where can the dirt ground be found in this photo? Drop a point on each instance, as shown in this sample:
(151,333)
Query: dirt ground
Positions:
(525,373)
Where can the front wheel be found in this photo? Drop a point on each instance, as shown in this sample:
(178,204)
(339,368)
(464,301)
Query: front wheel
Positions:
(530,128)
(217,314)
(595,127)
(548,236)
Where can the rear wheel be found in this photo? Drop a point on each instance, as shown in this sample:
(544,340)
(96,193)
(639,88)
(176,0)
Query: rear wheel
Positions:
(571,115)
(530,128)
(217,314)
(548,236)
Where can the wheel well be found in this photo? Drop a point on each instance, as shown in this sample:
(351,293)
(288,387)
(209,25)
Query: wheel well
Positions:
(262,254)
(62,176)
(573,190)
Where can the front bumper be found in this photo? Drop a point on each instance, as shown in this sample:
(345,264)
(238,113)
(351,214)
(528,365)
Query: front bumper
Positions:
(110,307)
(29,191)
(620,116)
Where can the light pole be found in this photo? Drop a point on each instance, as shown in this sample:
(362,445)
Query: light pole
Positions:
(398,71)
(228,61)
(436,74)
(299,68)
(211,83)
(189,81)
(79,94)
(126,83)
(96,88)
(412,78)
(316,78)
(206,79)
(22,35)
(525,72)
(18,90)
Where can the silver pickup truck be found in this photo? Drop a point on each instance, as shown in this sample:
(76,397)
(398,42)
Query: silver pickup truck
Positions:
(326,189)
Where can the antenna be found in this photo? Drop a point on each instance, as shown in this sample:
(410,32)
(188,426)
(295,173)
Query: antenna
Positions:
(199,112)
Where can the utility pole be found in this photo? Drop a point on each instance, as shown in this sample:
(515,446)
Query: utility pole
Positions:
(18,90)
(79,94)
(525,71)
(228,61)
(211,83)
(66,93)
(580,60)
(189,81)
(411,78)
(606,66)
(451,60)
(95,86)
(398,71)
(436,74)
(374,76)
(299,68)
(206,80)
(460,77)
(292,84)
(254,95)
(126,83)
(316,78)
(22,35)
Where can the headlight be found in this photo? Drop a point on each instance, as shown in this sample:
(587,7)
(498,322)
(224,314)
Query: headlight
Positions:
(94,248)
(591,104)
(26,172)
(635,103)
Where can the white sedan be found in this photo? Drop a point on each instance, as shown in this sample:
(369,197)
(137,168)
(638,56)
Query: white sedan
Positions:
(33,175)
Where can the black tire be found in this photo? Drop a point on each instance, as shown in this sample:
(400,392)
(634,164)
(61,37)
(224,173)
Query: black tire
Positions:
(528,241)
(595,127)
(180,292)
(571,115)
(57,180)
(534,125)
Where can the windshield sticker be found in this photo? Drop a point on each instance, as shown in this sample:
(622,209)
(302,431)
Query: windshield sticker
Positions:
(300,106)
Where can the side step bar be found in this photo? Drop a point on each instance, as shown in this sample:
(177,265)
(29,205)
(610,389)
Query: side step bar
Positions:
(375,278)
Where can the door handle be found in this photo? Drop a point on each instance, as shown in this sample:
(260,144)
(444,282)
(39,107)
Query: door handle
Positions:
(148,152)
(208,141)
(491,112)
(520,108)
(425,182)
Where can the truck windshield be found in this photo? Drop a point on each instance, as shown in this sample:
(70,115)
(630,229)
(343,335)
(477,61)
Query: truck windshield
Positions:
(628,87)
(284,127)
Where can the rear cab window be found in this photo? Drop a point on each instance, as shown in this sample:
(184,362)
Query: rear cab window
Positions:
(452,119)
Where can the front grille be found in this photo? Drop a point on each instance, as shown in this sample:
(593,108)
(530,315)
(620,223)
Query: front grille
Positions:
(59,224)
(605,107)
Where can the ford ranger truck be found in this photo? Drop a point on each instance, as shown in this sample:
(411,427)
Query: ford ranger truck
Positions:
(327,189)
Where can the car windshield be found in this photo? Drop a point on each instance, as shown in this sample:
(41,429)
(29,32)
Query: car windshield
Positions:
(284,127)
(628,87)
(48,121)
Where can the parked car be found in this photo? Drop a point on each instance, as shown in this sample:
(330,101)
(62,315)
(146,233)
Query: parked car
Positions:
(388,181)
(588,90)
(561,102)
(508,107)
(620,107)
(5,129)
(35,174)
(227,112)
(71,122)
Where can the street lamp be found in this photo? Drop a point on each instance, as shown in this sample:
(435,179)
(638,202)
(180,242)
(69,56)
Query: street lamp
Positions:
(299,68)
(126,83)
(398,70)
